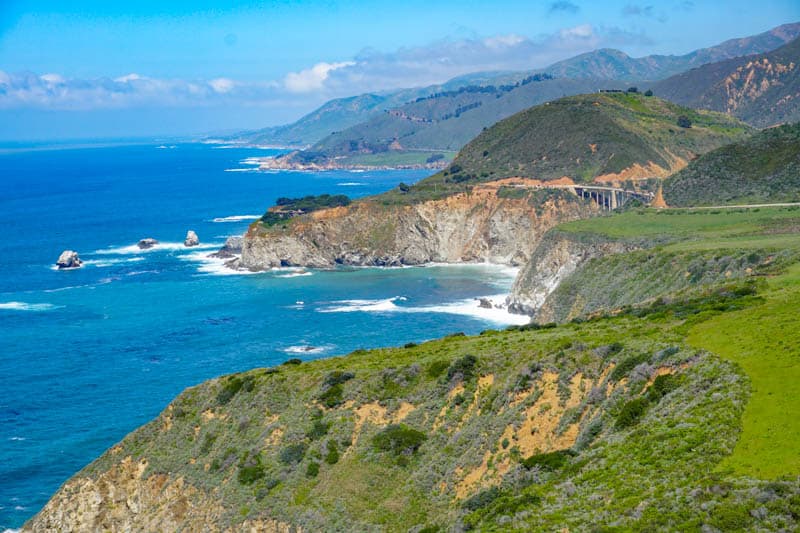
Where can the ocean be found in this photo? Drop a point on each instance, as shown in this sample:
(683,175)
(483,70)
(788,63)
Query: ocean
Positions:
(88,355)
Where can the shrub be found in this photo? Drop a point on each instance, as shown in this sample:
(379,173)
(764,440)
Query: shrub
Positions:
(631,413)
(332,396)
(250,469)
(293,453)
(337,376)
(589,433)
(462,368)
(648,92)
(481,499)
(293,361)
(436,369)
(208,442)
(626,365)
(548,461)
(232,386)
(318,429)
(661,386)
(332,457)
(684,122)
(409,345)
(398,439)
(312,470)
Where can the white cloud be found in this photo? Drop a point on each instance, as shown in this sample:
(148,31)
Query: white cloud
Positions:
(312,79)
(369,71)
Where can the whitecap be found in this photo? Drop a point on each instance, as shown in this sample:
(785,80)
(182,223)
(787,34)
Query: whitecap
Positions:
(467,307)
(25,306)
(160,247)
(235,218)
(350,184)
(101,263)
(214,266)
(241,170)
(250,161)
(17,438)
(306,349)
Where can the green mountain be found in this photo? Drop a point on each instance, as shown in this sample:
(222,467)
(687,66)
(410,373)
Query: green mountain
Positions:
(764,168)
(377,127)
(668,414)
(763,90)
(603,137)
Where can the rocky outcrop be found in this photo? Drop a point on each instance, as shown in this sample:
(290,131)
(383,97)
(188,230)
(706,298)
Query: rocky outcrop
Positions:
(231,248)
(559,255)
(191,239)
(146,244)
(476,227)
(68,259)
(124,498)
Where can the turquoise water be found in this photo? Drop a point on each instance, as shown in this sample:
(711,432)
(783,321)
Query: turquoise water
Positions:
(88,355)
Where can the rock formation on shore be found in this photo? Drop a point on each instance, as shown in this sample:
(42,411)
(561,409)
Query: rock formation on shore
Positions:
(231,248)
(146,244)
(68,259)
(191,239)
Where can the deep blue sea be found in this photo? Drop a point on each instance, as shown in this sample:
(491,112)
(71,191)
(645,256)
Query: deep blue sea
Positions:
(88,355)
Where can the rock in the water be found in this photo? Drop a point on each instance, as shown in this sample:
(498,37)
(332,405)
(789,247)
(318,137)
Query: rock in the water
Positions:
(232,247)
(146,244)
(485,303)
(191,239)
(68,259)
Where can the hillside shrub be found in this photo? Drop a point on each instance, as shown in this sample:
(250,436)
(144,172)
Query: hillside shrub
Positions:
(293,453)
(250,469)
(548,461)
(399,439)
(631,413)
(436,369)
(312,470)
(662,386)
(626,365)
(318,429)
(232,386)
(481,499)
(332,396)
(462,368)
(332,456)
(337,376)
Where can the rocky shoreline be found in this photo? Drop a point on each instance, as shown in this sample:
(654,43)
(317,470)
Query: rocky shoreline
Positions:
(287,162)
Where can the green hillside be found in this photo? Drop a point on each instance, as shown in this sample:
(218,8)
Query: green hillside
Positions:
(667,416)
(761,90)
(764,168)
(594,134)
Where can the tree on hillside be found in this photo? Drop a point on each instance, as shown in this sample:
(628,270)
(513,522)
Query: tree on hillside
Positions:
(684,122)
(648,92)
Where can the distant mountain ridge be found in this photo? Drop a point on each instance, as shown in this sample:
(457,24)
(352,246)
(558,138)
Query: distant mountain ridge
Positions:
(594,69)
(762,90)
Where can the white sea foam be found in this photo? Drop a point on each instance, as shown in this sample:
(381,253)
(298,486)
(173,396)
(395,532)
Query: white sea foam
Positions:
(17,438)
(467,307)
(11,530)
(251,161)
(241,170)
(214,266)
(351,184)
(235,218)
(160,247)
(306,348)
(297,274)
(101,263)
(24,306)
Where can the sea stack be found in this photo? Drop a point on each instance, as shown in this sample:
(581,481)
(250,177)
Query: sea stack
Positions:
(191,239)
(68,259)
(232,247)
(146,244)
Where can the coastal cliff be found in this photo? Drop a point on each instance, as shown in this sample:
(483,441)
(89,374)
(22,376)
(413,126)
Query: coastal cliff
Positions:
(477,226)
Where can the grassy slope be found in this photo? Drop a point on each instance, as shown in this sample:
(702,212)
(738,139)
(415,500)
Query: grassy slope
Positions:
(594,134)
(764,168)
(763,340)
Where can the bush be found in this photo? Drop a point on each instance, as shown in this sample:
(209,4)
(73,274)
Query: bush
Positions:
(250,469)
(337,376)
(436,369)
(232,386)
(481,499)
(626,365)
(684,122)
(631,413)
(332,396)
(462,368)
(548,461)
(312,470)
(648,92)
(661,386)
(293,361)
(293,453)
(332,457)
(410,345)
(318,429)
(399,439)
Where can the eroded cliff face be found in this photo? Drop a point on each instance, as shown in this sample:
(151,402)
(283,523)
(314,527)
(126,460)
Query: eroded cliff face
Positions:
(557,256)
(476,227)
(124,498)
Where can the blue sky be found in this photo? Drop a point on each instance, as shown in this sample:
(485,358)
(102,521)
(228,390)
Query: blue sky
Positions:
(91,68)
